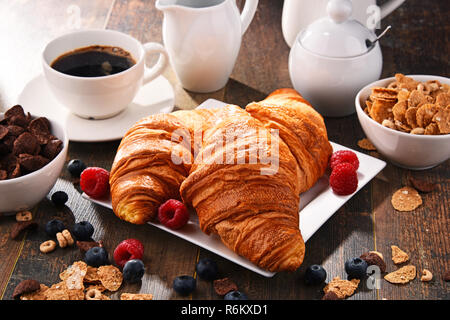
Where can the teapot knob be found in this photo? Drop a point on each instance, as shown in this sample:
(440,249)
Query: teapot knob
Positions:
(339,10)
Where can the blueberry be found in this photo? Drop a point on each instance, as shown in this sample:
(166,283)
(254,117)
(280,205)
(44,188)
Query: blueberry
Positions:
(53,227)
(133,271)
(235,295)
(76,167)
(83,230)
(315,274)
(59,198)
(96,257)
(207,269)
(356,268)
(184,285)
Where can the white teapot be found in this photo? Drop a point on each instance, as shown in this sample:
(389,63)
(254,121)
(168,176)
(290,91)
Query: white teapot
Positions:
(333,58)
(297,14)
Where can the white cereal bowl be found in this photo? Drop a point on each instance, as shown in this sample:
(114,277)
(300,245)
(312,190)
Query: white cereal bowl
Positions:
(410,151)
(24,192)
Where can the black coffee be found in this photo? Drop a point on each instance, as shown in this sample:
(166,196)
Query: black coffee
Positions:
(93,61)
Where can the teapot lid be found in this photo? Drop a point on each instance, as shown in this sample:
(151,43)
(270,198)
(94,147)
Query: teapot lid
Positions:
(337,35)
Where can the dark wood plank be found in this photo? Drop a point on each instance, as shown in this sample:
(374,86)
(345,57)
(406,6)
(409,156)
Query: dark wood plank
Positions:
(263,45)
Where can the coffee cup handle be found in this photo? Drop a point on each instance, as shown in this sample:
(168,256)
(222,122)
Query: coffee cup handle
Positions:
(158,68)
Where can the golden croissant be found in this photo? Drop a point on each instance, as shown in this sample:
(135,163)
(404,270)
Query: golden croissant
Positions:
(241,170)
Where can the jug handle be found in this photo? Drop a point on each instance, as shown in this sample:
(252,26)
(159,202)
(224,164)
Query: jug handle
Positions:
(163,60)
(388,7)
(248,13)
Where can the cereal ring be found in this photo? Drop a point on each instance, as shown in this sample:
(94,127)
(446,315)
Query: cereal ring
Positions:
(47,246)
(61,240)
(426,275)
(66,234)
(93,294)
(24,216)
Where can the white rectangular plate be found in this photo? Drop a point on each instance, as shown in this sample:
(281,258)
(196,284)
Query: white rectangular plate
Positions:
(317,205)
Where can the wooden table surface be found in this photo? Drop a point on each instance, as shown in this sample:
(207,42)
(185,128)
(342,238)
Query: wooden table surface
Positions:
(417,44)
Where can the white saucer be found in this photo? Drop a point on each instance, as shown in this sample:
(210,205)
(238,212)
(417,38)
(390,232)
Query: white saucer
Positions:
(154,97)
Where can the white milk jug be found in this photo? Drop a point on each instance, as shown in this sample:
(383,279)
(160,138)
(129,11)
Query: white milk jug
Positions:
(203,38)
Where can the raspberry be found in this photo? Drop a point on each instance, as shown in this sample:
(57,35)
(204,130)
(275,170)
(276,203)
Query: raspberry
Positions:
(95,182)
(342,156)
(343,179)
(173,214)
(128,249)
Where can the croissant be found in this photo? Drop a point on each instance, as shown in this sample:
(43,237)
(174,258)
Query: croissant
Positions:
(241,170)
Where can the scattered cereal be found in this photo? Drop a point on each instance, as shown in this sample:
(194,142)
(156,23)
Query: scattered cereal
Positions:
(24,216)
(110,277)
(373,258)
(406,199)
(35,295)
(26,286)
(402,275)
(223,286)
(136,296)
(426,275)
(58,291)
(47,246)
(61,240)
(86,245)
(68,237)
(398,255)
(330,295)
(95,294)
(74,275)
(366,144)
(342,288)
(91,275)
(72,286)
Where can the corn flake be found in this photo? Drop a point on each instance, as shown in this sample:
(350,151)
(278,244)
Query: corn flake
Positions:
(402,275)
(406,199)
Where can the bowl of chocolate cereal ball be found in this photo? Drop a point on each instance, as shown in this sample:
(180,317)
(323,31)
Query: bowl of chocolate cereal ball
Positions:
(32,154)
(407,119)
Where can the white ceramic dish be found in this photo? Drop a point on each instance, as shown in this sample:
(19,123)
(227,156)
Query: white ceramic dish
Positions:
(25,192)
(330,61)
(101,97)
(317,205)
(410,151)
(156,96)
(203,39)
(298,14)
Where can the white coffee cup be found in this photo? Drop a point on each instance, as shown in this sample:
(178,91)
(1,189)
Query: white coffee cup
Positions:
(105,96)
